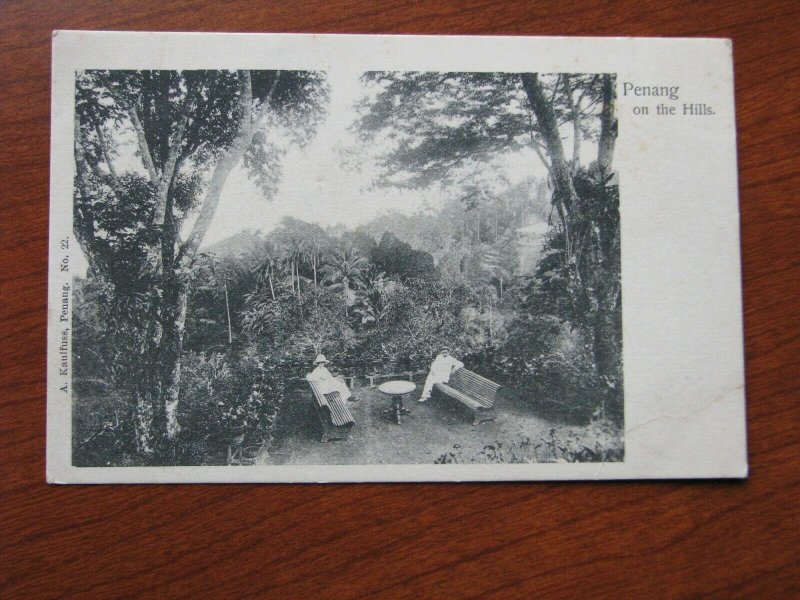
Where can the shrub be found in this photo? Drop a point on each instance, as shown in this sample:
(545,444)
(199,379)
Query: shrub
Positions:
(417,318)
(102,429)
(552,362)
(225,396)
(601,441)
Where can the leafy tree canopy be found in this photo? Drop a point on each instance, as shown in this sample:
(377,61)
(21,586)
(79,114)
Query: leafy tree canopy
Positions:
(430,125)
(149,142)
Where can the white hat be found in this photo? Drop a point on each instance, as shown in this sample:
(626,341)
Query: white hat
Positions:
(320,359)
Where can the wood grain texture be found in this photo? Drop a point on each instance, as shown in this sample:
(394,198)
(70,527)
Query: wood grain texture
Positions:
(621,540)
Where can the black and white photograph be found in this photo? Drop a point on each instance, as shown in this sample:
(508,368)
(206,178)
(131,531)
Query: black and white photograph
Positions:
(309,267)
(347,267)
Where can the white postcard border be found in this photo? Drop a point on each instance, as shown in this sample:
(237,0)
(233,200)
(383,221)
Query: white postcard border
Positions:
(681,282)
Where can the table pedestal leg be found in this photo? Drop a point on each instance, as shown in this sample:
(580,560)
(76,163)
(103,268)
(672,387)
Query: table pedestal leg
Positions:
(397,410)
(397,407)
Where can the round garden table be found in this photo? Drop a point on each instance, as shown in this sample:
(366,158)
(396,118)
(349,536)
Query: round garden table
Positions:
(397,389)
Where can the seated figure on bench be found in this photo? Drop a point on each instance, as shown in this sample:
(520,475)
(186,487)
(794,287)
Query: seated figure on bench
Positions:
(325,380)
(443,365)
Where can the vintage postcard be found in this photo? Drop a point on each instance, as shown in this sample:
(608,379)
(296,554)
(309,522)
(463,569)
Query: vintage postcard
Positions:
(316,258)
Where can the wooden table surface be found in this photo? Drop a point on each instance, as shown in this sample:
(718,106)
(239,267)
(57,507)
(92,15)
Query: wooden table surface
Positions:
(622,540)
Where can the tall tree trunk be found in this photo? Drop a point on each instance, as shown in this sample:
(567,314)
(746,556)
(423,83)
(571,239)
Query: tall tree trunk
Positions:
(599,325)
(156,389)
(143,419)
(143,378)
(564,188)
(607,357)
(564,195)
(608,123)
(575,114)
(178,295)
(172,347)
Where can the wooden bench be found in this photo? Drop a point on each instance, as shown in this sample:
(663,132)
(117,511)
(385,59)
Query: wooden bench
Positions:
(473,391)
(333,413)
(350,380)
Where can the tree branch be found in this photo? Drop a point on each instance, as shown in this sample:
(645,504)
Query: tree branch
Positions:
(169,171)
(246,130)
(535,144)
(144,149)
(104,150)
(538,149)
(545,117)
(555,90)
(262,113)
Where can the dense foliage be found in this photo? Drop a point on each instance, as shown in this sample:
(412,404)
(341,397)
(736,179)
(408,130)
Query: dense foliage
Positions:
(153,148)
(230,328)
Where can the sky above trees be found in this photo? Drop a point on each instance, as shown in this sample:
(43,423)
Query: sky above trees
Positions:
(318,184)
(329,182)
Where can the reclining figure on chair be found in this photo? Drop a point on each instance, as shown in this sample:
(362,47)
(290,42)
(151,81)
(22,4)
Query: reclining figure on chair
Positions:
(441,369)
(325,380)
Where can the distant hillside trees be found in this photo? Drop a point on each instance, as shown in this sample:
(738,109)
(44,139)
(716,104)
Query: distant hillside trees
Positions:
(395,257)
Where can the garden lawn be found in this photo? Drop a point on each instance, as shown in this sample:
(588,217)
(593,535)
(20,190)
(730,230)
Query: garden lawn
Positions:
(431,430)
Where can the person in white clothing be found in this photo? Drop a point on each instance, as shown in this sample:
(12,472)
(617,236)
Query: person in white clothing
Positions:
(325,380)
(442,367)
